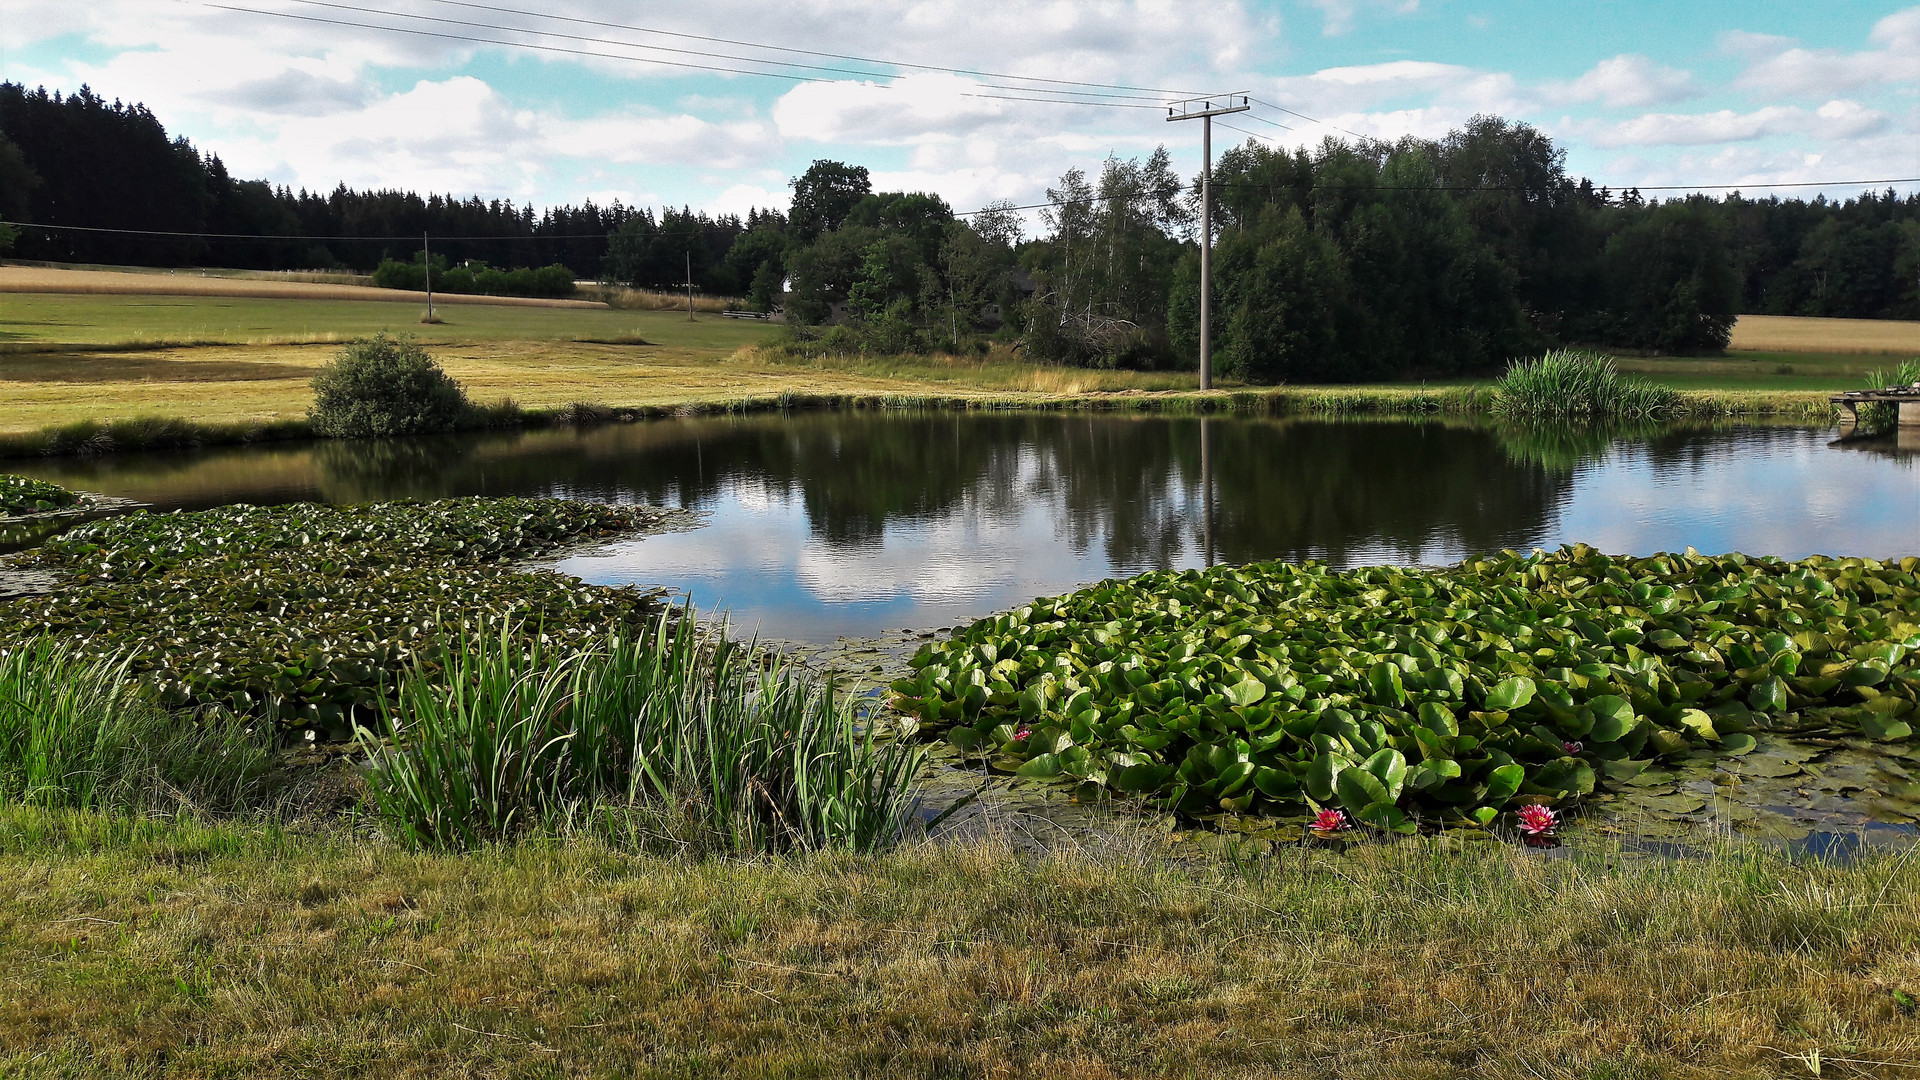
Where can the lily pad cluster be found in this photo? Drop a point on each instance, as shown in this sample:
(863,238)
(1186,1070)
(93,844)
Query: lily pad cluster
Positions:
(22,495)
(1443,694)
(306,613)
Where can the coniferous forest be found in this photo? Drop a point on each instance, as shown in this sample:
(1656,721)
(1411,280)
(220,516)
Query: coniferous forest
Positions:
(1345,261)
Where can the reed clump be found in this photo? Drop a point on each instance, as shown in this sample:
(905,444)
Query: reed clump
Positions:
(85,733)
(1884,414)
(1568,384)
(670,738)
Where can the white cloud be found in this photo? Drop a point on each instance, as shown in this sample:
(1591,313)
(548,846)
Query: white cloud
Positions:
(1338,15)
(1835,120)
(1627,81)
(1779,68)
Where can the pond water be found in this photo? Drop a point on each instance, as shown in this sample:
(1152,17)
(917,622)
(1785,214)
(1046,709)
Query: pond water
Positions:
(831,524)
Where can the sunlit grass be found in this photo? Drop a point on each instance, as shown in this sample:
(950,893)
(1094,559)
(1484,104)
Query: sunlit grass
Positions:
(189,950)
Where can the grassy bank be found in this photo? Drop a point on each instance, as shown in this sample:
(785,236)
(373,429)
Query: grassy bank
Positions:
(141,948)
(150,432)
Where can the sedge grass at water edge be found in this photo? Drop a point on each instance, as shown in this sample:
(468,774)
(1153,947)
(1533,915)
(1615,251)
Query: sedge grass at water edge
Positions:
(667,737)
(79,731)
(1570,385)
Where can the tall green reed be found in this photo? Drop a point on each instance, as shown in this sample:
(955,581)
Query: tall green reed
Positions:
(670,734)
(84,733)
(1883,414)
(1567,384)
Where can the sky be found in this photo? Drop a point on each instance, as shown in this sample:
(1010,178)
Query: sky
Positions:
(587,103)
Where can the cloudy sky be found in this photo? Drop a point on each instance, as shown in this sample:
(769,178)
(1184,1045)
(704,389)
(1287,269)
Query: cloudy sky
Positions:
(602,99)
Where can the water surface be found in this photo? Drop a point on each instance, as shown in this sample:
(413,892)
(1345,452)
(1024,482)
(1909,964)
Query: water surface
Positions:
(821,525)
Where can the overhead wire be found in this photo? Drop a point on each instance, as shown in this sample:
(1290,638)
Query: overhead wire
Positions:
(334,5)
(1033,96)
(806,52)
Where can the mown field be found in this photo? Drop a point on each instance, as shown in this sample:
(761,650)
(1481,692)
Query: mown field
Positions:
(215,360)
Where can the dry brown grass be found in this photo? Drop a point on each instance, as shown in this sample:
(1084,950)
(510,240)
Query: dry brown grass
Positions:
(185,952)
(624,299)
(1795,334)
(34,279)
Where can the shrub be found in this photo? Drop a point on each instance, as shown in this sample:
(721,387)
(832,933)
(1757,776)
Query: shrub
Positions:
(384,386)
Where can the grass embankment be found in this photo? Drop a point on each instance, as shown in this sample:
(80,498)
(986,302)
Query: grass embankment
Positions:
(141,948)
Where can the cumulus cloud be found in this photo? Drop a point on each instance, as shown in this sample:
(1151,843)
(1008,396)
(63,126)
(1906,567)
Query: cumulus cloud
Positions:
(1835,120)
(1627,81)
(1778,66)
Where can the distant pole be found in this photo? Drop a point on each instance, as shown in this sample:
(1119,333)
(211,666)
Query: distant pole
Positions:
(426,260)
(1206,111)
(689,286)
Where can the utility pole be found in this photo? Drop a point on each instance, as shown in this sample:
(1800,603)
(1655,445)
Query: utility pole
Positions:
(426,260)
(689,286)
(1204,109)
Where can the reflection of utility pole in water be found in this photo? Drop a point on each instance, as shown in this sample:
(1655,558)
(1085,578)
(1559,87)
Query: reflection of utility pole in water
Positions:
(1206,490)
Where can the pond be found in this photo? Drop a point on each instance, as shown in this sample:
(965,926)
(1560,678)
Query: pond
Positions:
(850,524)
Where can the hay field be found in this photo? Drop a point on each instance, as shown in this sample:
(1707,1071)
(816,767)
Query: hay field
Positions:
(49,322)
(35,279)
(1796,334)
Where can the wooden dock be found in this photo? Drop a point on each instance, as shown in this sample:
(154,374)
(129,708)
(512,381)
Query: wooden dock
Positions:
(1906,399)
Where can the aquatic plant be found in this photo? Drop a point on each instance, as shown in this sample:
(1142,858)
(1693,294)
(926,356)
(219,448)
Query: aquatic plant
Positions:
(303,613)
(1883,414)
(1537,820)
(1330,820)
(1444,693)
(700,739)
(78,731)
(1567,384)
(24,495)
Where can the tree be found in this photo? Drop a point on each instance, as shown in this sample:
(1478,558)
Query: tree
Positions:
(823,196)
(1673,286)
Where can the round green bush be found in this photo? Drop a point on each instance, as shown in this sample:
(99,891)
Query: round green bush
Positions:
(384,386)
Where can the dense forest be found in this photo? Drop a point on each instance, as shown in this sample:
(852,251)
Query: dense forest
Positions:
(1350,260)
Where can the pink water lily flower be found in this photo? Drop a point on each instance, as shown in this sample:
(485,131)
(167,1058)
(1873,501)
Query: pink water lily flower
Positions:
(1573,747)
(1021,735)
(1330,821)
(1537,820)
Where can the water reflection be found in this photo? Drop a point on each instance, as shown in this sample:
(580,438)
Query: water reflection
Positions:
(825,524)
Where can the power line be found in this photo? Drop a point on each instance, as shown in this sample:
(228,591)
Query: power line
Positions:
(446,36)
(810,52)
(1312,120)
(678,51)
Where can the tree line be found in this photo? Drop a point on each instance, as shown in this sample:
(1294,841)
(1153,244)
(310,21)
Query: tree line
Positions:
(1349,260)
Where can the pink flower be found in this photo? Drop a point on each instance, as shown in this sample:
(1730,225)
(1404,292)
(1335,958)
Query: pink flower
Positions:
(1021,735)
(1572,747)
(1537,820)
(1330,821)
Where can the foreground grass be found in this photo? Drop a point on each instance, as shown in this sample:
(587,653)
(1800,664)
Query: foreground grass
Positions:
(142,949)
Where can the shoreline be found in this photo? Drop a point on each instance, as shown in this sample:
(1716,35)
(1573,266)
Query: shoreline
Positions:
(89,438)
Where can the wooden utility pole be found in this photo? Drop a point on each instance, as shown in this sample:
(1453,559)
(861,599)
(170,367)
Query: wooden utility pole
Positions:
(689,286)
(426,260)
(1204,109)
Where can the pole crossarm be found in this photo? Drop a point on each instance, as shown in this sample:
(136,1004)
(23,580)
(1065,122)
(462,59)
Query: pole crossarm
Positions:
(1212,105)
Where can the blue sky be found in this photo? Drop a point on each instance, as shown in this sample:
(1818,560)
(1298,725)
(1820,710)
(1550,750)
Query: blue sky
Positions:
(1637,93)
